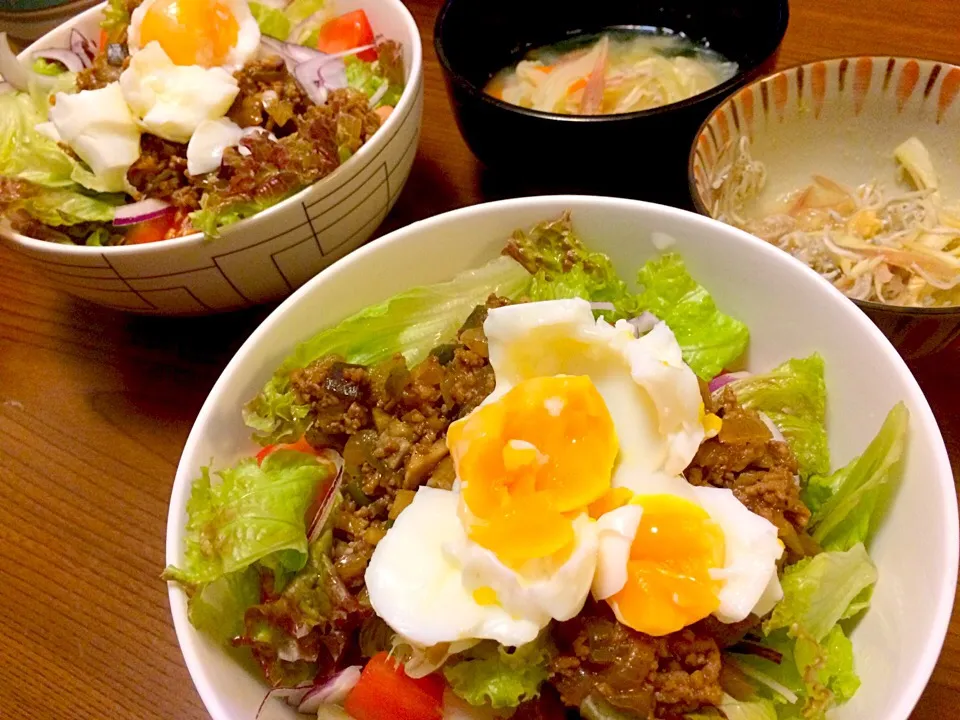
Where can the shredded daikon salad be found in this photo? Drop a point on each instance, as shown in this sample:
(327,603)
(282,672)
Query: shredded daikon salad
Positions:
(897,246)
(618,71)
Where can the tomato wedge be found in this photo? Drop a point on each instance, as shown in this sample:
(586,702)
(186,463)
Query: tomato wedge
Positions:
(152,230)
(300,445)
(386,692)
(347,32)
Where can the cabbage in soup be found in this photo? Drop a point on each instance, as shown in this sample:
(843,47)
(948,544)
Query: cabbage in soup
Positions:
(617,71)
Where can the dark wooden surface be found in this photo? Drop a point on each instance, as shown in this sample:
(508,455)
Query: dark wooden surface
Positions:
(95,407)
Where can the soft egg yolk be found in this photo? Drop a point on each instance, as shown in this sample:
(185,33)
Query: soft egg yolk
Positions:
(668,574)
(532,461)
(191,32)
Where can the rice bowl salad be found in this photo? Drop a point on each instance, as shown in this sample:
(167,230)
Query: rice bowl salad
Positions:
(532,492)
(186,116)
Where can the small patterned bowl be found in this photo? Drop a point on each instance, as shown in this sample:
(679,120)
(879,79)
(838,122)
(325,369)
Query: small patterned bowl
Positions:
(842,118)
(273,253)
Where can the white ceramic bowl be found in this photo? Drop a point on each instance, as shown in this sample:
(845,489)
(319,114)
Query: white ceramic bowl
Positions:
(269,255)
(790,311)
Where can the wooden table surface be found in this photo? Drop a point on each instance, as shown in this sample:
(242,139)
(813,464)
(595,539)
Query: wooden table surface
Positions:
(95,407)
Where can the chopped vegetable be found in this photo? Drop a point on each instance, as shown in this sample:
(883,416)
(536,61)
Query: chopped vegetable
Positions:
(255,511)
(489,674)
(348,31)
(152,230)
(385,692)
(710,339)
(896,248)
(860,490)
(617,71)
(272,21)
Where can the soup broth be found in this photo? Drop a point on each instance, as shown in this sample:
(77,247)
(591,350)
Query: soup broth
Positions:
(617,71)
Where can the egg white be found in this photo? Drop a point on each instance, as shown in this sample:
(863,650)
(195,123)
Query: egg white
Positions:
(248,33)
(542,590)
(171,101)
(208,143)
(418,589)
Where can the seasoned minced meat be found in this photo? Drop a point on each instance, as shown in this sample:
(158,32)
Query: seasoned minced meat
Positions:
(269,97)
(390,424)
(759,470)
(161,172)
(652,677)
(100,73)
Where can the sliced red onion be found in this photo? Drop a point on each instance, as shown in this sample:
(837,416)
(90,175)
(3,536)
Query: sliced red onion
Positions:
(351,51)
(333,692)
(292,53)
(378,95)
(774,430)
(11,68)
(84,49)
(293,696)
(69,59)
(140,211)
(333,72)
(326,505)
(725,379)
(644,323)
(320,75)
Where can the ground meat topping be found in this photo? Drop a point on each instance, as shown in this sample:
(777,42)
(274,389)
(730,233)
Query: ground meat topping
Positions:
(653,677)
(161,172)
(389,422)
(759,470)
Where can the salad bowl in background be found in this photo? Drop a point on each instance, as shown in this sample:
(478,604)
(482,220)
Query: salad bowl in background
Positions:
(269,255)
(638,154)
(791,312)
(842,118)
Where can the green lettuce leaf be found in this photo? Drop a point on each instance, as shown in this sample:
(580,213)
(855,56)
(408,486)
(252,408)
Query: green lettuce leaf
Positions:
(272,21)
(710,340)
(306,17)
(217,608)
(489,675)
(818,591)
(29,155)
(254,512)
(42,66)
(66,207)
(817,662)
(562,267)
(274,414)
(209,220)
(364,76)
(794,396)
(25,153)
(817,674)
(412,323)
(828,664)
(860,490)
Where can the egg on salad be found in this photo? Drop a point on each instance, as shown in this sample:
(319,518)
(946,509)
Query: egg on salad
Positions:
(179,81)
(568,482)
